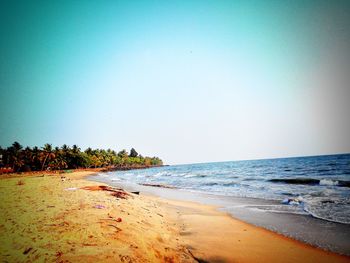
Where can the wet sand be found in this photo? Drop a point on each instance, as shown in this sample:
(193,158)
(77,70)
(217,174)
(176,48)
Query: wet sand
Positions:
(217,237)
(47,219)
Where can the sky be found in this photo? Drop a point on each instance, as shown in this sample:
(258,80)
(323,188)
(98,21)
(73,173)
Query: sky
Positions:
(188,81)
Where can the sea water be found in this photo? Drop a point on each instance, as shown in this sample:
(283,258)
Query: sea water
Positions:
(306,198)
(318,185)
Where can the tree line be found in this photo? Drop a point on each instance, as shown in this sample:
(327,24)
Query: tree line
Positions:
(18,159)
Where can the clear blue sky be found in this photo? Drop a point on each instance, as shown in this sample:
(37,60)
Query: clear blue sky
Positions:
(189,81)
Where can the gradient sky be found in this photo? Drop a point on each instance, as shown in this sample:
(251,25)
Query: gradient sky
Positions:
(189,81)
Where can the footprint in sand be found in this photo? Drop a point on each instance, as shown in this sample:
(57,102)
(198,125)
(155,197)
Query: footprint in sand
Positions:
(126,259)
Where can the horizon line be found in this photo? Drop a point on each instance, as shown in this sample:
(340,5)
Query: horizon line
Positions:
(268,158)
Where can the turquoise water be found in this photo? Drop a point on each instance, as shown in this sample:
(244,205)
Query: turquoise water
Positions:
(317,186)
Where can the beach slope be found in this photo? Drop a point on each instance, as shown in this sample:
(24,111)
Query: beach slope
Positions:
(49,218)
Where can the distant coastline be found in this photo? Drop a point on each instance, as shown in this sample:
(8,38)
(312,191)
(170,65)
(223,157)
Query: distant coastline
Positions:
(16,158)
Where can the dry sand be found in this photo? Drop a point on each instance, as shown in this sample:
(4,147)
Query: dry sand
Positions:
(43,221)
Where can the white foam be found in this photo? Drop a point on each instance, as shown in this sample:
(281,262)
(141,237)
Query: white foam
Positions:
(328,182)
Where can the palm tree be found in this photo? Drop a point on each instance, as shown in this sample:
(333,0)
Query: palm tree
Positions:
(47,154)
(89,151)
(14,157)
(75,149)
(59,163)
(123,153)
(18,162)
(27,155)
(35,158)
(65,148)
(133,153)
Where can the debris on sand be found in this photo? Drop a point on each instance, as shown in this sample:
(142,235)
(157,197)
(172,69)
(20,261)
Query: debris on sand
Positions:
(25,252)
(120,194)
(116,192)
(99,206)
(20,182)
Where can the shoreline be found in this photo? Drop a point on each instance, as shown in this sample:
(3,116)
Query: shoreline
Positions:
(216,236)
(328,236)
(153,229)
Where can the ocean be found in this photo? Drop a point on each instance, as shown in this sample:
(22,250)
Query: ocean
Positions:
(307,198)
(319,185)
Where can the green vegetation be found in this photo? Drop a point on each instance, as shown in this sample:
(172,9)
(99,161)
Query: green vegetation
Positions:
(47,158)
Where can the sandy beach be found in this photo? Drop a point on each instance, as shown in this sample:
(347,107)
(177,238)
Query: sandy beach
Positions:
(45,218)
